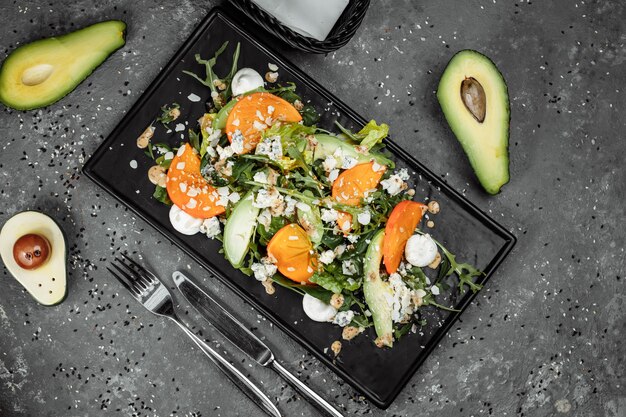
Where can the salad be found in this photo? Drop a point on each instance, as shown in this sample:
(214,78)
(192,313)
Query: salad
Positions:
(323,213)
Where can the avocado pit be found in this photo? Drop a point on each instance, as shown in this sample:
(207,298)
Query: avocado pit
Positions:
(37,74)
(31,251)
(473,96)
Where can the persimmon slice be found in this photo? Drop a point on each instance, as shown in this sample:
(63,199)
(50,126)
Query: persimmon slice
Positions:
(291,248)
(256,112)
(401,224)
(188,189)
(351,186)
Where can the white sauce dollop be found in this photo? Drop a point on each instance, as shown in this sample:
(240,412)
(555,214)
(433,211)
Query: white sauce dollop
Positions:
(317,310)
(183,222)
(420,250)
(246,79)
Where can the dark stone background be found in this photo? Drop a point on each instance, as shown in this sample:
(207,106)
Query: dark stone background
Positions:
(544,338)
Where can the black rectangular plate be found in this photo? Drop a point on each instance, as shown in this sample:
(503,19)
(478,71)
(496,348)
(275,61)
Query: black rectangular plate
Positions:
(379,374)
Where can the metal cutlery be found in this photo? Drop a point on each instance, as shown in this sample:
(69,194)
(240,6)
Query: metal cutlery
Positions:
(148,289)
(244,339)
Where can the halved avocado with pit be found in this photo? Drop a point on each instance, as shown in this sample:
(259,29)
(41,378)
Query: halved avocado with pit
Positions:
(42,72)
(475,101)
(47,283)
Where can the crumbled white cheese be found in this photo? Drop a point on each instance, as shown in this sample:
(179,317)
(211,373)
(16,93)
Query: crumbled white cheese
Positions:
(327,257)
(225,152)
(290,206)
(348,162)
(303,207)
(168,156)
(403,174)
(364,217)
(269,199)
(393,185)
(329,163)
(343,318)
(272,147)
(265,218)
(329,215)
(401,306)
(332,175)
(352,238)
(234,197)
(348,267)
(264,269)
(237,142)
(211,227)
(260,177)
(434,289)
(340,249)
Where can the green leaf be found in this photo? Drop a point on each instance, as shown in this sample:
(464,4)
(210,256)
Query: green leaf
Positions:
(310,116)
(464,271)
(333,280)
(194,140)
(167,114)
(160,194)
(149,151)
(372,134)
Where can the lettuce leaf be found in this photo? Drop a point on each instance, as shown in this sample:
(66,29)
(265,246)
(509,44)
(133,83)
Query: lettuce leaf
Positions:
(372,134)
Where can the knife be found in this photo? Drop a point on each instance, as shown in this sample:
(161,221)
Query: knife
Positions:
(244,339)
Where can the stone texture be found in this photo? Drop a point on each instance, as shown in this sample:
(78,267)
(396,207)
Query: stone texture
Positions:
(544,338)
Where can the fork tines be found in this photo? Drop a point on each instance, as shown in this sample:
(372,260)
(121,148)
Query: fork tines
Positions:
(131,275)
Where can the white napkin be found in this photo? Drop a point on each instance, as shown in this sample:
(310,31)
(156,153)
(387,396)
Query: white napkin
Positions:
(312,18)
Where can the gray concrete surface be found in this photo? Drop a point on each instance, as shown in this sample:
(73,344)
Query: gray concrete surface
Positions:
(544,338)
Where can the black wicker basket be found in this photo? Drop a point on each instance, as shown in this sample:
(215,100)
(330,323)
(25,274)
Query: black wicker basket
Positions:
(342,32)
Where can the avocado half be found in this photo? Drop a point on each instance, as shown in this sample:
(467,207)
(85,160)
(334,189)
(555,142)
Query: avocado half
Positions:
(42,72)
(47,283)
(475,101)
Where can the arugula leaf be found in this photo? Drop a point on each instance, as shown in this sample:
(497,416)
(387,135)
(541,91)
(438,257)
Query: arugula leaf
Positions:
(168,114)
(194,140)
(310,116)
(398,333)
(211,76)
(464,271)
(149,152)
(160,194)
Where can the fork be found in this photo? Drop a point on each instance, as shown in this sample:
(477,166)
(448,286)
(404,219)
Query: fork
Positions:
(150,291)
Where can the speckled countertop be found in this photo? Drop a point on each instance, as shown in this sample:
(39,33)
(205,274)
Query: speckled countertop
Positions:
(544,338)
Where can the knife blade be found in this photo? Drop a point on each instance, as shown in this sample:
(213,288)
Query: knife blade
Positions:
(228,325)
(244,339)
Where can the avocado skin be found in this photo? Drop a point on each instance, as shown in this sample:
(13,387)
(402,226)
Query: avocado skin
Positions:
(11,67)
(492,171)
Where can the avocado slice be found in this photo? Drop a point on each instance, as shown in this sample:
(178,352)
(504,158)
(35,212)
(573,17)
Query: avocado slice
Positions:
(378,293)
(42,72)
(46,282)
(239,230)
(328,144)
(474,98)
